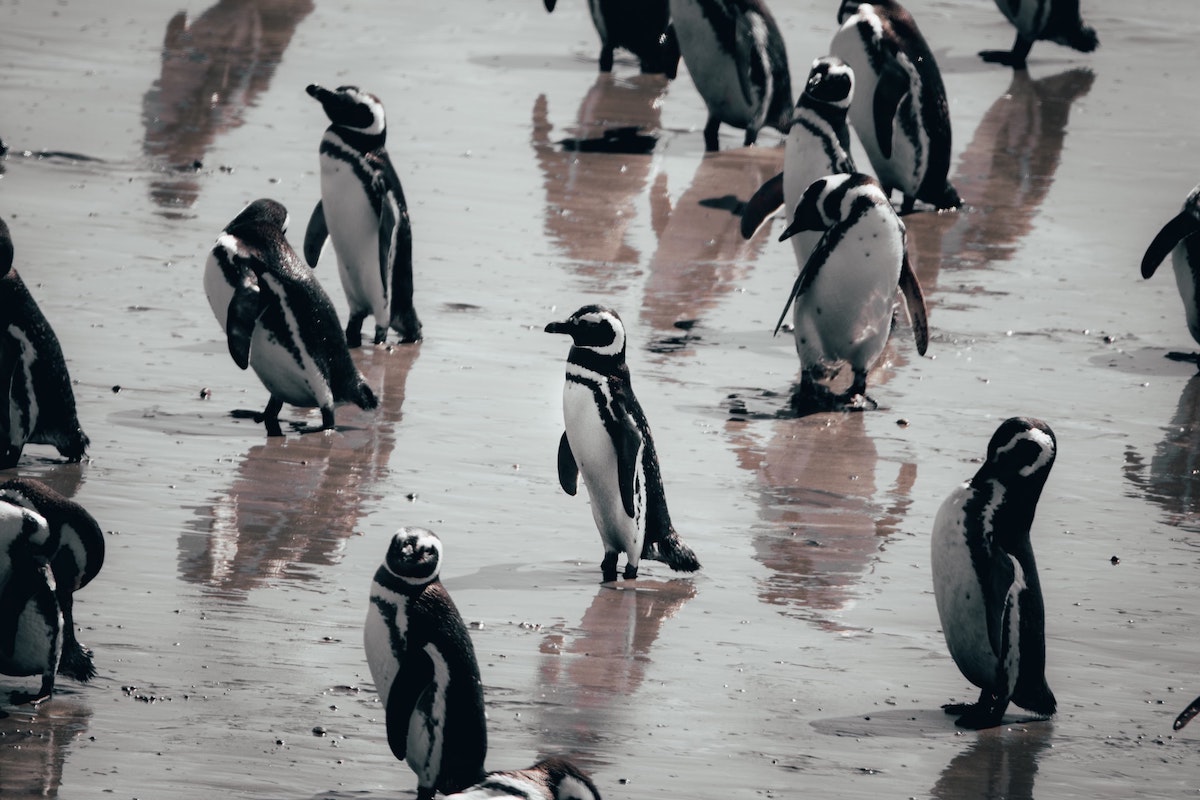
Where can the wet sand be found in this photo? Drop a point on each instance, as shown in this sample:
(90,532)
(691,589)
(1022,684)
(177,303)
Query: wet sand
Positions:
(806,657)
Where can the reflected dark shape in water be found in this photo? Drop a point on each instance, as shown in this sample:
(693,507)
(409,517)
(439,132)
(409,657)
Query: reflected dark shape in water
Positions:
(590,195)
(296,498)
(821,519)
(1172,479)
(588,675)
(34,747)
(701,254)
(1003,176)
(1000,764)
(212,70)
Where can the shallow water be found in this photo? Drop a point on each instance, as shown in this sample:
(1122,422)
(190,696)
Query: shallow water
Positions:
(806,656)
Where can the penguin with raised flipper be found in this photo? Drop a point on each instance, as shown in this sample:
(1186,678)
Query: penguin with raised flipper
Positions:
(1179,238)
(424,667)
(363,210)
(37,404)
(281,323)
(608,441)
(553,778)
(1056,21)
(985,579)
(643,27)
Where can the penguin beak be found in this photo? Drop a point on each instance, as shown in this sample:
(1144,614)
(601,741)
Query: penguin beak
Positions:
(806,219)
(319,93)
(559,327)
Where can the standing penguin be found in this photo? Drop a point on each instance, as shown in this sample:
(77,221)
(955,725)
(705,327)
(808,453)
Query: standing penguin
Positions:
(1178,237)
(30,621)
(424,668)
(817,145)
(607,440)
(362,209)
(736,56)
(1051,20)
(37,404)
(985,579)
(900,109)
(643,27)
(845,295)
(550,779)
(281,323)
(77,558)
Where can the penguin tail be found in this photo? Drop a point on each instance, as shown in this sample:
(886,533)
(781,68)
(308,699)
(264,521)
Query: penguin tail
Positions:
(672,551)
(1038,699)
(366,399)
(1084,40)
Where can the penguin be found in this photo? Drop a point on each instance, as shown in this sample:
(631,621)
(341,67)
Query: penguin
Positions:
(845,295)
(985,579)
(552,778)
(1050,20)
(31,623)
(817,145)
(362,209)
(736,56)
(643,27)
(37,404)
(900,109)
(1178,238)
(607,440)
(278,320)
(424,667)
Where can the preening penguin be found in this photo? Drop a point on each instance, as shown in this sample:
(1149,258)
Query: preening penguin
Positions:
(1051,20)
(985,579)
(37,404)
(30,621)
(424,668)
(549,779)
(362,209)
(278,319)
(736,56)
(643,27)
(608,441)
(845,296)
(1178,237)
(900,109)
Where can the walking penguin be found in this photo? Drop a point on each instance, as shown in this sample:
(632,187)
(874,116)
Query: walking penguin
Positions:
(1050,20)
(1178,237)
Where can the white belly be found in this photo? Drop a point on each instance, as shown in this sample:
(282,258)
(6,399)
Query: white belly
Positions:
(1187,287)
(354,230)
(298,383)
(38,642)
(382,660)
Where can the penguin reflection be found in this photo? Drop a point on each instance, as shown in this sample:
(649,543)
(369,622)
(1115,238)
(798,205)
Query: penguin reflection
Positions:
(1000,764)
(212,69)
(1173,478)
(587,674)
(34,747)
(296,499)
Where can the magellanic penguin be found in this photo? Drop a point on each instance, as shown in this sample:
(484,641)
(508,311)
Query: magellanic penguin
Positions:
(30,621)
(1178,237)
(1056,21)
(985,579)
(78,557)
(736,56)
(362,209)
(607,440)
(553,778)
(845,295)
(817,145)
(900,109)
(278,320)
(643,27)
(424,668)
(37,404)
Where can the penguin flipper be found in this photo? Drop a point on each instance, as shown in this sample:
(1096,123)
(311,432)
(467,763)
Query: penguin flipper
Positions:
(914,298)
(315,235)
(239,325)
(568,470)
(414,677)
(761,205)
(1186,715)
(628,441)
(807,275)
(1179,228)
(890,91)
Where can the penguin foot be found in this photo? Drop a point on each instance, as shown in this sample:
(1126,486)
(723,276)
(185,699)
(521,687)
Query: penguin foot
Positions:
(353,338)
(1004,57)
(630,572)
(608,568)
(976,716)
(19,698)
(406,325)
(380,335)
(712,142)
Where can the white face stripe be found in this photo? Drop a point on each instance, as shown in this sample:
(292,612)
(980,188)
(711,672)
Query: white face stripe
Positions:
(571,788)
(618,342)
(1045,447)
(378,119)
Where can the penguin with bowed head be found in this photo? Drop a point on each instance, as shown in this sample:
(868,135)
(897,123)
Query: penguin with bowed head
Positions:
(278,320)
(643,27)
(900,109)
(608,441)
(844,298)
(985,579)
(553,778)
(363,210)
(1056,21)
(37,404)
(737,58)
(424,668)
(1179,239)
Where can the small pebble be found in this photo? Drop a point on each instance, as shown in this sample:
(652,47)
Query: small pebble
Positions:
(117,389)
(318,730)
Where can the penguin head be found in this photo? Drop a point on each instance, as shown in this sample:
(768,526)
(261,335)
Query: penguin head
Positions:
(566,781)
(829,200)
(261,223)
(75,534)
(1021,450)
(414,556)
(351,108)
(6,249)
(847,9)
(593,327)
(830,82)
